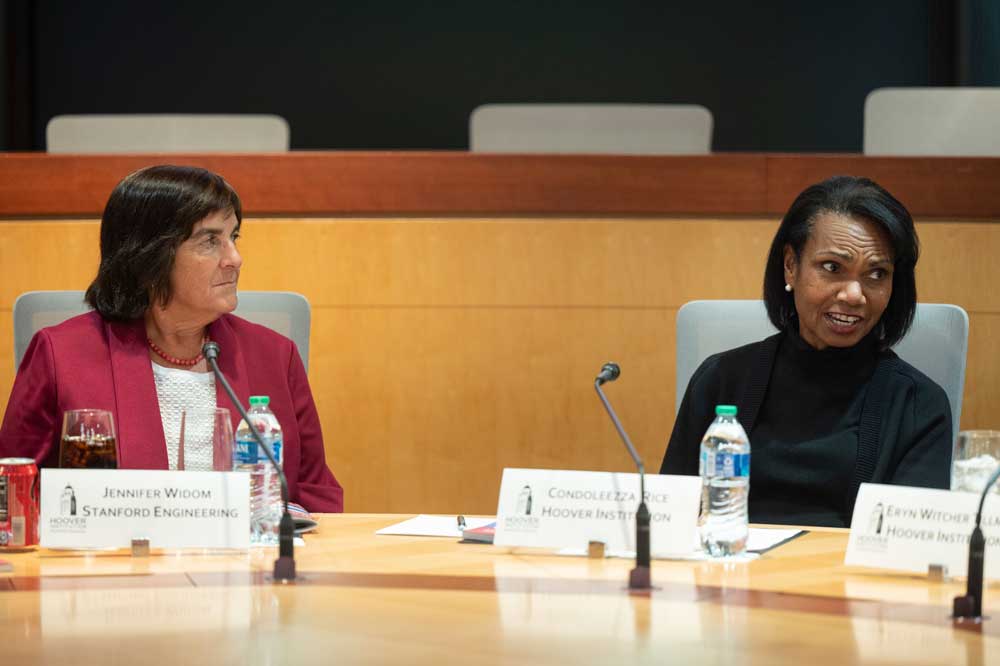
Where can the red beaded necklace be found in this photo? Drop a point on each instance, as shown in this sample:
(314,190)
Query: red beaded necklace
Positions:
(185,362)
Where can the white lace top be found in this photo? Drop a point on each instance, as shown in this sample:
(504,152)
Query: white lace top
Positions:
(179,390)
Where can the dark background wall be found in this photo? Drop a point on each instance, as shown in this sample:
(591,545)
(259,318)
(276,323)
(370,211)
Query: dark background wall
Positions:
(404,75)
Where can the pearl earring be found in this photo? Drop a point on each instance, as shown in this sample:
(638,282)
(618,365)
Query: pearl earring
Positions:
(788,287)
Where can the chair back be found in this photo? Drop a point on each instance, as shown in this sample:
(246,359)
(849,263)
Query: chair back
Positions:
(286,312)
(624,129)
(167,134)
(936,344)
(933,121)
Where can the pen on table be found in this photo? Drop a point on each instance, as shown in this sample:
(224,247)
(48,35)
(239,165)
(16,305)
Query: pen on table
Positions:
(461,523)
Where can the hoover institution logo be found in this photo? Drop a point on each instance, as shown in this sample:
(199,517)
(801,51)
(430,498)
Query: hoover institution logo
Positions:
(67,503)
(67,521)
(524,500)
(522,518)
(874,539)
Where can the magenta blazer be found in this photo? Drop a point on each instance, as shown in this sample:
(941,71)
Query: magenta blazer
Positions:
(87,361)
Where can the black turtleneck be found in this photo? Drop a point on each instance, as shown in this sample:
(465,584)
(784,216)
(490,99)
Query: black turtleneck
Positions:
(804,444)
(820,423)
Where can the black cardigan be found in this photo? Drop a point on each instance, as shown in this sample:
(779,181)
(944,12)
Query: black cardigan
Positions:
(902,432)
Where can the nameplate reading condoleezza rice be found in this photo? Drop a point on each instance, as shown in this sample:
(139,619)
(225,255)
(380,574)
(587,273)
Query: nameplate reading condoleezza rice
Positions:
(107,508)
(548,508)
(910,529)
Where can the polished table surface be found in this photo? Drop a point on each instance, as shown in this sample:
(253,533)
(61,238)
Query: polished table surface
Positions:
(421,600)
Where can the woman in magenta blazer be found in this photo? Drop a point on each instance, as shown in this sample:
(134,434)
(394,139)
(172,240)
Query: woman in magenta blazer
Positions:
(167,282)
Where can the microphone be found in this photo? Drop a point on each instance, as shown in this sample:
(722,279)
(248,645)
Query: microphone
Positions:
(970,605)
(640,577)
(284,566)
(609,373)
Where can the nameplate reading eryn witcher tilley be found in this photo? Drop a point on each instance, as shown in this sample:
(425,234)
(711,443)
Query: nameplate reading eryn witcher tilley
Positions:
(908,529)
(98,508)
(550,508)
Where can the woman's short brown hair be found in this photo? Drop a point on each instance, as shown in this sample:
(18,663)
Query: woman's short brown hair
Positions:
(148,215)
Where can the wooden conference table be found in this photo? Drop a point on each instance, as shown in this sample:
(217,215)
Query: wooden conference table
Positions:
(418,600)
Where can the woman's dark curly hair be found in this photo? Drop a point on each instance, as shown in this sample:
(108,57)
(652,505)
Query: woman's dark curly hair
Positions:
(149,214)
(858,198)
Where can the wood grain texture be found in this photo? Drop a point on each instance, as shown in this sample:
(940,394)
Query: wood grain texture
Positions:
(445,350)
(947,187)
(460,183)
(420,600)
(305,183)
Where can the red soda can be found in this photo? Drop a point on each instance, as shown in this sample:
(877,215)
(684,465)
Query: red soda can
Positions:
(18,503)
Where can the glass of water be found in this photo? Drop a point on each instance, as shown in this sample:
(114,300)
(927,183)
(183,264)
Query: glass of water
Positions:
(205,440)
(976,456)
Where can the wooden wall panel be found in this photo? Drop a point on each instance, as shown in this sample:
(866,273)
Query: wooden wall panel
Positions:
(47,255)
(958,264)
(527,263)
(424,406)
(928,186)
(6,354)
(462,183)
(444,350)
(416,183)
(982,373)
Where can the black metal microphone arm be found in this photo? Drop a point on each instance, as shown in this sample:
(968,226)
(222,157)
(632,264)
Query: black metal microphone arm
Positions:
(640,576)
(621,431)
(284,566)
(971,604)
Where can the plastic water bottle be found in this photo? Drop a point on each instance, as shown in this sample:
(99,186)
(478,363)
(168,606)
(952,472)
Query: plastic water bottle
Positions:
(265,488)
(724,467)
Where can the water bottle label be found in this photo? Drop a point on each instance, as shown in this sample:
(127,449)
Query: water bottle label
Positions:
(725,464)
(245,452)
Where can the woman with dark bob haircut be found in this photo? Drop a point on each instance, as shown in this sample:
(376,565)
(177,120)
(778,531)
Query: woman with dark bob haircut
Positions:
(166,284)
(826,403)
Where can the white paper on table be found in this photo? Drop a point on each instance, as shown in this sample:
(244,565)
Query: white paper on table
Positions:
(760,540)
(439,526)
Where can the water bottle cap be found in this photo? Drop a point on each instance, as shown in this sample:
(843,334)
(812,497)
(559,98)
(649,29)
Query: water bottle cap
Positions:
(259,400)
(721,410)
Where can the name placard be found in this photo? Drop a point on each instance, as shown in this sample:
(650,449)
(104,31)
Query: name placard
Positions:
(98,508)
(909,529)
(567,509)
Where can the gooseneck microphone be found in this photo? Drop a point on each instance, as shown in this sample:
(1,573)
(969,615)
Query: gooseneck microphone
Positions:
(284,566)
(640,577)
(971,604)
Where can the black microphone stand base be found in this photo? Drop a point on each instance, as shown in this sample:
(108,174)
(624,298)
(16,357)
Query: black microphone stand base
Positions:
(640,578)
(970,605)
(964,608)
(284,566)
(284,570)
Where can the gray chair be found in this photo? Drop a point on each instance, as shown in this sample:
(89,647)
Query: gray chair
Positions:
(933,121)
(624,129)
(936,344)
(286,312)
(152,133)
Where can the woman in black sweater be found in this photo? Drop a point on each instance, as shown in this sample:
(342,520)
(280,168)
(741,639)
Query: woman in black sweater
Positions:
(826,403)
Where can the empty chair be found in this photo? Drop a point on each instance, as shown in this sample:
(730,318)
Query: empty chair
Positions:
(167,134)
(286,312)
(629,129)
(933,121)
(936,344)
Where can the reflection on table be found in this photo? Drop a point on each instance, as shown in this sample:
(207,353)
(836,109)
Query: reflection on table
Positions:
(390,599)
